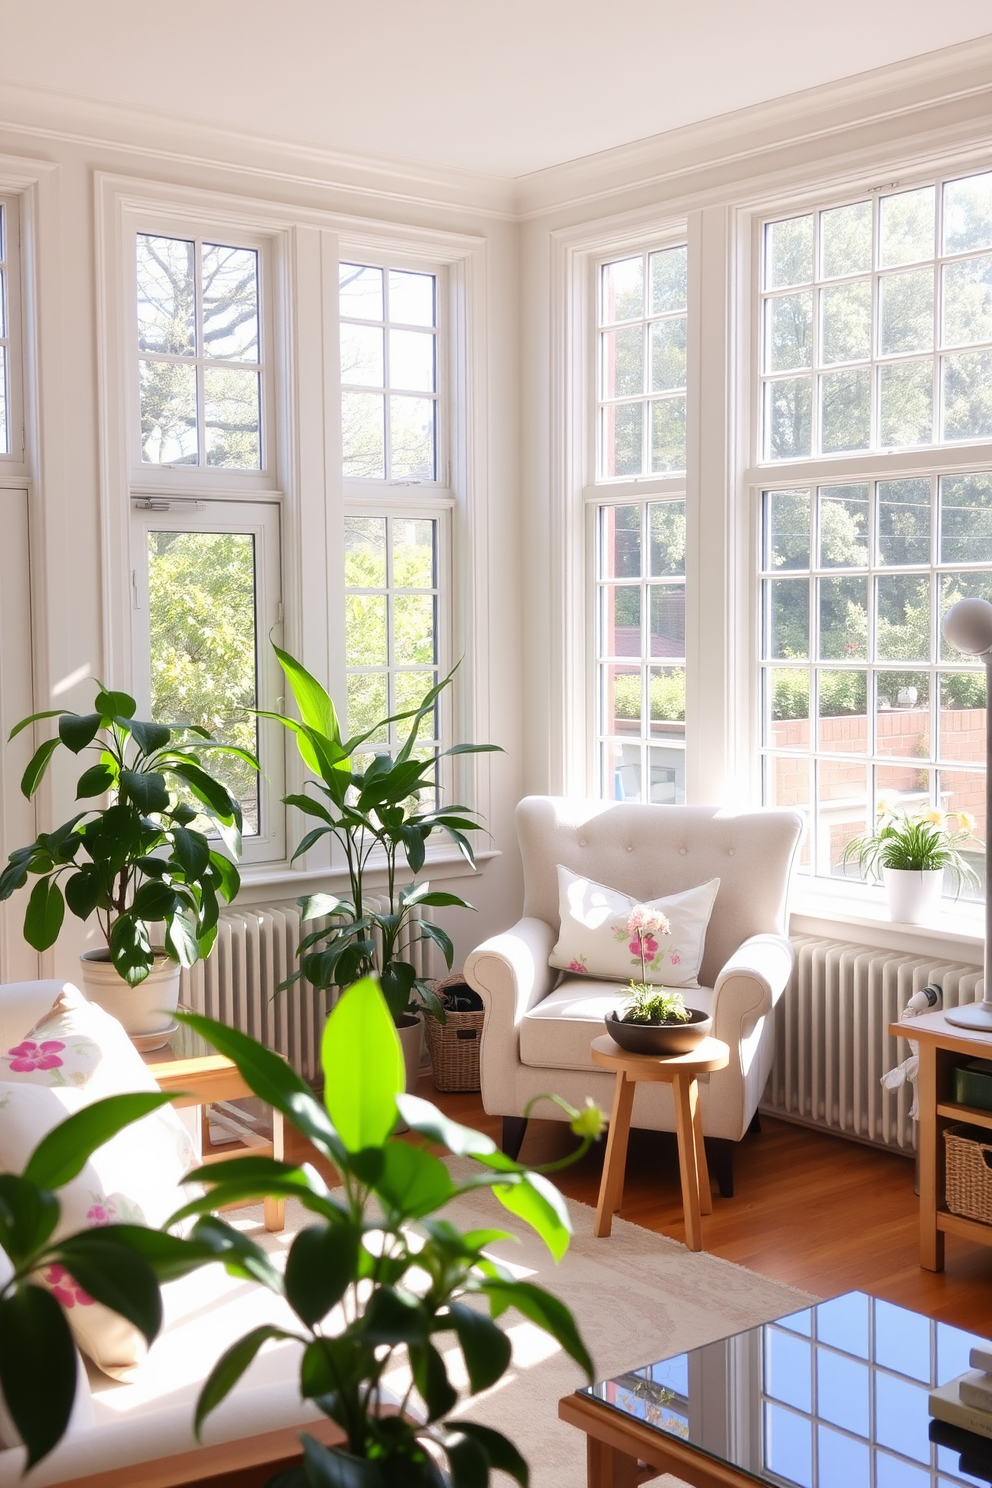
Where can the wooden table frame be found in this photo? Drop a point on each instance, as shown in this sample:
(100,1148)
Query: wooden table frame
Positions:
(942,1045)
(679,1071)
(206,1079)
(622,1452)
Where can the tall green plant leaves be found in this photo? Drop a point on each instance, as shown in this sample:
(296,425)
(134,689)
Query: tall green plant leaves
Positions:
(37,1367)
(363,1067)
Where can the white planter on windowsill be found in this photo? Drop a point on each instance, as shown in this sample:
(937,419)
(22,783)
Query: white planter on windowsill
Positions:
(913,895)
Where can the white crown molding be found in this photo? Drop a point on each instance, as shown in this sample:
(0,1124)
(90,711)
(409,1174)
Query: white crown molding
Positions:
(48,114)
(664,162)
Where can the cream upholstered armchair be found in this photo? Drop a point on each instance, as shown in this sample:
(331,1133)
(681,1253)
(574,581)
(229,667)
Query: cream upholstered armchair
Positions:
(540,1022)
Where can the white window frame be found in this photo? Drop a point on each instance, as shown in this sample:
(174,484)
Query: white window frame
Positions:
(11,281)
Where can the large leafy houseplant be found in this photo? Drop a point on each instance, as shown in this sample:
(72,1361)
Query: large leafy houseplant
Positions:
(373,804)
(141,857)
(923,843)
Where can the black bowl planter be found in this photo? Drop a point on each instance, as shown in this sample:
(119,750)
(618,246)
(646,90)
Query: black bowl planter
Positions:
(660,1038)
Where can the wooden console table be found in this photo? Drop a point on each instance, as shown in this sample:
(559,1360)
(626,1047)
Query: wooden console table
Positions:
(942,1046)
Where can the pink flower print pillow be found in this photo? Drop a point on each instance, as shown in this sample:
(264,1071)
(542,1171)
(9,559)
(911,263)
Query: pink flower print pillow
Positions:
(27,1056)
(596,940)
(76,1043)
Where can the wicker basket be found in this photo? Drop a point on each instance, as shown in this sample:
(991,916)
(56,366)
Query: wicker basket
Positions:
(454,1044)
(968,1183)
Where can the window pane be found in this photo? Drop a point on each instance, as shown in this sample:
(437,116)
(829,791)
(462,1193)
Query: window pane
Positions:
(411,438)
(906,312)
(666,775)
(361,355)
(411,298)
(622,700)
(963,791)
(623,362)
(411,360)
(788,1446)
(668,435)
(966,519)
(902,714)
(621,635)
(960,586)
(667,693)
(622,290)
(360,291)
(668,352)
(409,691)
(844,526)
(166,295)
(4,423)
(842,813)
(842,712)
(787,784)
(230,303)
(414,553)
(906,403)
(904,521)
(968,301)
(365,630)
(906,227)
(788,252)
(788,420)
(231,418)
(789,337)
(362,438)
(961,738)
(787,529)
(368,702)
(666,529)
(667,603)
(845,410)
(968,214)
(786,721)
(967,395)
(620,542)
(669,279)
(846,312)
(843,619)
(413,629)
(788,619)
(623,426)
(846,240)
(168,413)
(902,626)
(365,552)
(903,787)
(202,645)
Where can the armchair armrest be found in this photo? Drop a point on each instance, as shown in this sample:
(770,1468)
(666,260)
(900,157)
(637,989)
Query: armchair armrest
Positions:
(750,984)
(511,974)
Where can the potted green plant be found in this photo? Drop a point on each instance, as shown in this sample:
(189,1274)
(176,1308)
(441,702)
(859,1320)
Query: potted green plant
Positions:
(911,853)
(373,804)
(141,859)
(656,1020)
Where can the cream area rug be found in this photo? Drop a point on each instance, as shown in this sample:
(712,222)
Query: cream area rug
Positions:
(637,1297)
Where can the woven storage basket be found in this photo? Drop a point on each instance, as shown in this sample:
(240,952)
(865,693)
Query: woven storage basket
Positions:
(454,1044)
(968,1182)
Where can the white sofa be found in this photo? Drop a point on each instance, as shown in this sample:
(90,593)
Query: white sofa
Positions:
(540,1022)
(140,1430)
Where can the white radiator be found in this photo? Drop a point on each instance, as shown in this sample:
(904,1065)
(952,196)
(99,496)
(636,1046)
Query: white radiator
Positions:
(831,1043)
(255,950)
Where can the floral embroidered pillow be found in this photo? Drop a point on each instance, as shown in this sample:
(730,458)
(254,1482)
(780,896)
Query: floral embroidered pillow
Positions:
(594,939)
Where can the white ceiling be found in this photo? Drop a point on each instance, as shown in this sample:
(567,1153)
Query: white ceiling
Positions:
(499,86)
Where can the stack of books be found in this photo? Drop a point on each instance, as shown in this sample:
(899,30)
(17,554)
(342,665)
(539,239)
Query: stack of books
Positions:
(967,1400)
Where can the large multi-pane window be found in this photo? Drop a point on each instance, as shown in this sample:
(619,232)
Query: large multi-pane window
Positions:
(876,341)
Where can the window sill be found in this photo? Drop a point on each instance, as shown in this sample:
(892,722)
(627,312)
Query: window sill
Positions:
(280,881)
(859,913)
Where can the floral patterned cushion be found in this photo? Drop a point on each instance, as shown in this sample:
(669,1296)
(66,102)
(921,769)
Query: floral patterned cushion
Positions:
(594,938)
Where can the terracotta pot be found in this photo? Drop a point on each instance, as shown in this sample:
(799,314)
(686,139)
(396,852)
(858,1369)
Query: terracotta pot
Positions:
(913,895)
(146,1009)
(660,1038)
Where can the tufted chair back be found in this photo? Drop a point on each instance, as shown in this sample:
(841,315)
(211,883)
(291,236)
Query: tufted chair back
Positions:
(647,851)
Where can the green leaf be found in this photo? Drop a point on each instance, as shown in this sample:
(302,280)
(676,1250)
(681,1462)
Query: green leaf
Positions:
(114,1275)
(83,892)
(316,708)
(412,1182)
(130,949)
(309,806)
(315,906)
(536,1200)
(113,705)
(191,851)
(181,939)
(431,1378)
(37,766)
(392,1317)
(468,1461)
(95,781)
(78,730)
(62,1154)
(329,1362)
(439,937)
(28,1215)
(228,1370)
(501,1452)
(542,1308)
(34,718)
(153,901)
(228,877)
(322,1263)
(363,1067)
(37,1367)
(44,914)
(485,1347)
(150,736)
(169,1256)
(238,1255)
(206,789)
(332,1467)
(147,790)
(423,1117)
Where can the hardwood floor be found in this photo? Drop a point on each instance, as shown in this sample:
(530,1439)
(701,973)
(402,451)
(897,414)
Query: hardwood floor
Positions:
(813,1210)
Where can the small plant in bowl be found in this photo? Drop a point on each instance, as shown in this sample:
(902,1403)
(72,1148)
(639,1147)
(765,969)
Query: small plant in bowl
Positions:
(656,1021)
(655,1005)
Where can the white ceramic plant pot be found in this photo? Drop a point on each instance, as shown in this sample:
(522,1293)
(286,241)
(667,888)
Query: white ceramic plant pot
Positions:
(146,1009)
(914,896)
(411,1031)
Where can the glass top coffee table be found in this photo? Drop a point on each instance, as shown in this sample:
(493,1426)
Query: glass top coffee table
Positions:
(834,1396)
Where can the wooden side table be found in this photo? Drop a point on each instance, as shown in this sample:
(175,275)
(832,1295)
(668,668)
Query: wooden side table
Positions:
(942,1045)
(679,1071)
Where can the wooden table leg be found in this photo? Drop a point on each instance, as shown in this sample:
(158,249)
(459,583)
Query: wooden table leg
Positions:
(607,1467)
(702,1167)
(931,1165)
(684,1091)
(611,1183)
(275,1209)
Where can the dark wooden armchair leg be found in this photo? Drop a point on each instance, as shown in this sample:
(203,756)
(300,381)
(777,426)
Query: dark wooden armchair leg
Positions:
(755,1124)
(720,1158)
(514,1128)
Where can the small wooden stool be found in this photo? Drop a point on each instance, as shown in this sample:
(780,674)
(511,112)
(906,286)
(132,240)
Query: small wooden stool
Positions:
(679,1071)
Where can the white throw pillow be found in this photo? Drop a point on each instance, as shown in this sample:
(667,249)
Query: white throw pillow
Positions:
(593,938)
(78,1054)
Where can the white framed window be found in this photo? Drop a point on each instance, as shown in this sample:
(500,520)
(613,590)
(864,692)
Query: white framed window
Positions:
(11,408)
(874,355)
(206,595)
